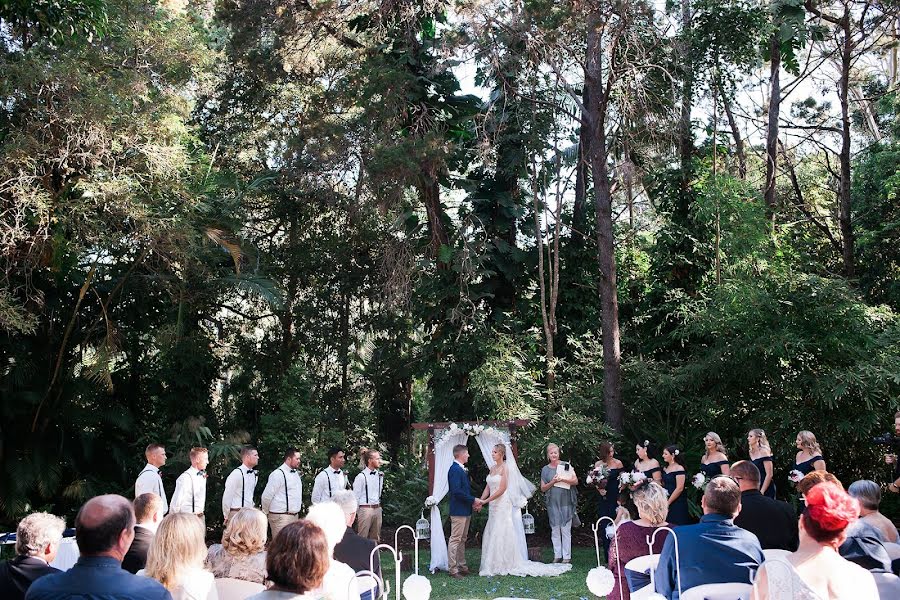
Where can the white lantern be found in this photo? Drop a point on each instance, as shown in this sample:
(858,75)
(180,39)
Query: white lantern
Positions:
(528,522)
(416,587)
(600,581)
(423,529)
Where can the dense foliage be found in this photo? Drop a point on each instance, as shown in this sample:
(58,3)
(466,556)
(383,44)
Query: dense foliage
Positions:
(315,223)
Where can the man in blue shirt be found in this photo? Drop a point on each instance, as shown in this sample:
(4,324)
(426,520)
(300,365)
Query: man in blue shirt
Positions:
(713,551)
(104,530)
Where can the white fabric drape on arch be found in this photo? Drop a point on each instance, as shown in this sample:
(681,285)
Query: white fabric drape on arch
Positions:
(486,442)
(443,459)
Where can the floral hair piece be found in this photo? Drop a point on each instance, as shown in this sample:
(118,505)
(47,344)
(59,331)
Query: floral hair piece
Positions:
(646,443)
(676,452)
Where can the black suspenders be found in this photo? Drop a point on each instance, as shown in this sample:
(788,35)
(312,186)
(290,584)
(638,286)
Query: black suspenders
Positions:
(243,483)
(287,502)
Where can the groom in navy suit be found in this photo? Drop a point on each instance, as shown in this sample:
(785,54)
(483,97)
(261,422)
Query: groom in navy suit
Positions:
(461,504)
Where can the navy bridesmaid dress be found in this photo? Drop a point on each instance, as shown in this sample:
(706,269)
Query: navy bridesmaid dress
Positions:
(607,505)
(761,465)
(712,469)
(649,473)
(806,467)
(678,510)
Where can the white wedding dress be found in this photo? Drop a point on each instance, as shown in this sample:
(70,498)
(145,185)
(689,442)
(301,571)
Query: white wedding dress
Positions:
(501,551)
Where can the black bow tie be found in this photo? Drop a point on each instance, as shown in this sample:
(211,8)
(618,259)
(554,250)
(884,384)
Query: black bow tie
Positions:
(373,473)
(293,470)
(251,472)
(337,472)
(201,473)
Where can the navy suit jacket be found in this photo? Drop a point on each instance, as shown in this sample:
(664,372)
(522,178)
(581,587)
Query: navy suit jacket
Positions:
(713,551)
(17,574)
(97,578)
(461,497)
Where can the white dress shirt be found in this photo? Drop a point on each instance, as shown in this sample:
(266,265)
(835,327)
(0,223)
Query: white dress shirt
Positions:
(367,486)
(239,488)
(149,482)
(284,491)
(328,482)
(190,492)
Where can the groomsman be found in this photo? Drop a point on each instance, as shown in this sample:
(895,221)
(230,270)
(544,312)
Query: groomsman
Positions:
(190,487)
(148,480)
(331,479)
(368,486)
(283,496)
(240,483)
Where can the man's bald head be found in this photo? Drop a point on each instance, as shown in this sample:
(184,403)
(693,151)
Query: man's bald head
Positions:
(100,525)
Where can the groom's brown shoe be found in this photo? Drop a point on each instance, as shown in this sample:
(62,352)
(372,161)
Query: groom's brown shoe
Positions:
(456,575)
(464,571)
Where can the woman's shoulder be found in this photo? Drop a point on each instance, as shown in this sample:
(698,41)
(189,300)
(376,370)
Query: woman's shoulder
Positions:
(654,462)
(617,464)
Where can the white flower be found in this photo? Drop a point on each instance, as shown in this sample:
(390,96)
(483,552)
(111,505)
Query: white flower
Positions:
(589,479)
(646,443)
(467,426)
(454,427)
(677,451)
(600,581)
(431,501)
(795,476)
(416,587)
(523,502)
(610,531)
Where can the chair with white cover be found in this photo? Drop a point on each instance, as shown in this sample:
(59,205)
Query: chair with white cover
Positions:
(229,588)
(642,564)
(719,591)
(775,553)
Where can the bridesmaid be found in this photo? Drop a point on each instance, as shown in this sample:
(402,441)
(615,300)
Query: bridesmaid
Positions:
(674,477)
(714,461)
(609,494)
(761,456)
(809,458)
(645,462)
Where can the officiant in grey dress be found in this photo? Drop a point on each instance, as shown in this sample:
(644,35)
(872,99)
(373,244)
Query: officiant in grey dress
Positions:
(558,483)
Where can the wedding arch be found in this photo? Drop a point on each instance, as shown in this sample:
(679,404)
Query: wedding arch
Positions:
(442,437)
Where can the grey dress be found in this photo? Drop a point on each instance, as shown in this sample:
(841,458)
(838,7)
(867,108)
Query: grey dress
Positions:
(560,502)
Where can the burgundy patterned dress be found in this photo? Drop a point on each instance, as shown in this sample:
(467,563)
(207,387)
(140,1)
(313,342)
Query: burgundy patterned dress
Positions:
(632,543)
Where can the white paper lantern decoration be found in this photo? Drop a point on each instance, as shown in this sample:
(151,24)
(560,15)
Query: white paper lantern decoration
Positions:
(416,587)
(528,522)
(423,529)
(600,581)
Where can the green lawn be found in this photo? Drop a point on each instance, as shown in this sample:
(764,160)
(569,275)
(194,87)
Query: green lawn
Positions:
(570,586)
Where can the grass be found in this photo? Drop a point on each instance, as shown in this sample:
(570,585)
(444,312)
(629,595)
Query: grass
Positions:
(569,586)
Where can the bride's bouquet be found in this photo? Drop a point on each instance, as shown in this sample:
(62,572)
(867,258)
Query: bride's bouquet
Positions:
(795,476)
(700,481)
(598,477)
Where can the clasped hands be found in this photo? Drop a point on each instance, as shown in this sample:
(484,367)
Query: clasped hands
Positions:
(478,504)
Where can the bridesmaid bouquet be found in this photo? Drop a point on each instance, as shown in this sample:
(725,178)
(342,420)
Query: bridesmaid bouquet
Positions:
(795,476)
(631,480)
(700,481)
(598,477)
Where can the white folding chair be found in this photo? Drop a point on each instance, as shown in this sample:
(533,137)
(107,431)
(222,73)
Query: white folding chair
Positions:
(67,555)
(775,553)
(229,588)
(642,564)
(719,591)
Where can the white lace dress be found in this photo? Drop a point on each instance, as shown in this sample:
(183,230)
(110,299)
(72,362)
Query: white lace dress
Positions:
(500,552)
(784,582)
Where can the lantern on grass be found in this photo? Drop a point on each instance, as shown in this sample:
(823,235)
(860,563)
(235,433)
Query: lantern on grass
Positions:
(423,528)
(528,522)
(600,581)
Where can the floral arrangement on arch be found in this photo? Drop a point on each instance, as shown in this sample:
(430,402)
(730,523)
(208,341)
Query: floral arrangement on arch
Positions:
(468,429)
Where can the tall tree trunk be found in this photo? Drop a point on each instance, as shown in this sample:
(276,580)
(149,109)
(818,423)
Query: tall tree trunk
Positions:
(430,192)
(844,218)
(772,132)
(609,303)
(735,133)
(581,175)
(685,140)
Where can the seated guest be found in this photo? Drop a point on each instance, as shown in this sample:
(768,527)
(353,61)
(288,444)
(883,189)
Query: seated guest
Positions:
(241,554)
(630,540)
(176,558)
(867,551)
(816,570)
(296,563)
(713,551)
(104,529)
(37,540)
(868,494)
(354,549)
(340,580)
(772,521)
(148,510)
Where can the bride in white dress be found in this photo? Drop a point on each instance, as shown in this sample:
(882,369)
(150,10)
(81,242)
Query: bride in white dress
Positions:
(504,551)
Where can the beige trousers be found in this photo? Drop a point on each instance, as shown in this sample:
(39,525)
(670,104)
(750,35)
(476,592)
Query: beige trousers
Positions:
(279,522)
(456,547)
(368,522)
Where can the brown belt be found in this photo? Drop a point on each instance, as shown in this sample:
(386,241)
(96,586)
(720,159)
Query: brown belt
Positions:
(275,513)
(199,514)
(370,506)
